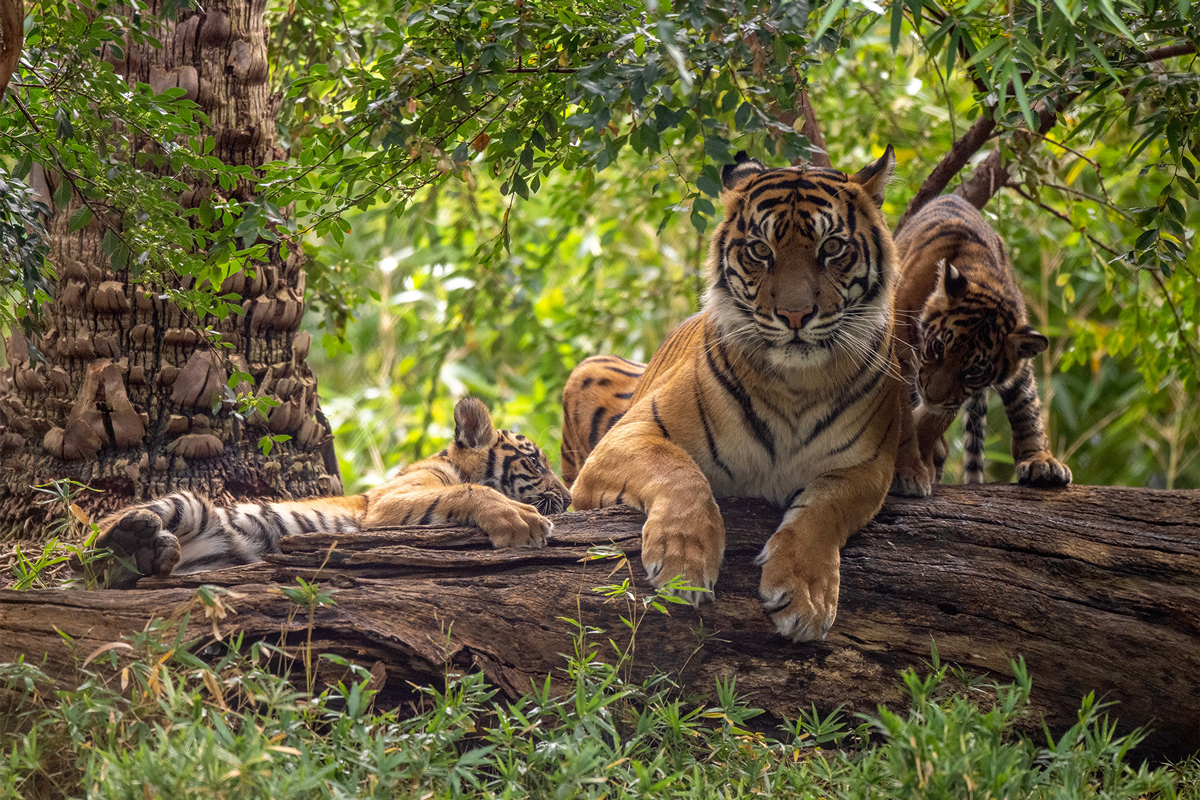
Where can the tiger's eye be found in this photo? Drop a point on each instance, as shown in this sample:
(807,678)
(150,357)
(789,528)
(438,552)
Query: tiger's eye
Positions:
(760,250)
(831,246)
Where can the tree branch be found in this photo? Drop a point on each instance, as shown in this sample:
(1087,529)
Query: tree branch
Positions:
(941,175)
(992,173)
(812,131)
(12,36)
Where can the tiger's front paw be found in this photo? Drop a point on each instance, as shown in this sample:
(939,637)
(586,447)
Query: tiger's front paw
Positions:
(140,546)
(688,545)
(516,525)
(1043,471)
(799,586)
(913,479)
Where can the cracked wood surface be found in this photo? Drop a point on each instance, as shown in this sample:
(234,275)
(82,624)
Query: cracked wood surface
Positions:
(1098,589)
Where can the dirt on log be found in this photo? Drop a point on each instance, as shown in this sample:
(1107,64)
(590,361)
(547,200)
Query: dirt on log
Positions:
(1098,589)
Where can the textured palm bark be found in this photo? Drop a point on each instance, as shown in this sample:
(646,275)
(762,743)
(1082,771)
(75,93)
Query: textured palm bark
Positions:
(123,400)
(1097,588)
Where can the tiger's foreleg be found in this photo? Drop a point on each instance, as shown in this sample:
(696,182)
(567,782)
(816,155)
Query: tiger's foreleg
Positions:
(914,476)
(1031,452)
(802,560)
(507,522)
(684,534)
(931,428)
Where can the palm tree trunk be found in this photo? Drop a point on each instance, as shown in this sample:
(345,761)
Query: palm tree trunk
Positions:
(116,387)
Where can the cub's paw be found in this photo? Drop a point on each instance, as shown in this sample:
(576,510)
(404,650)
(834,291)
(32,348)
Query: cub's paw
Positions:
(516,525)
(691,547)
(1043,471)
(138,540)
(799,587)
(912,480)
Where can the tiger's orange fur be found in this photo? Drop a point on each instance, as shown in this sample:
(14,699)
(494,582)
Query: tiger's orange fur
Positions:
(497,480)
(784,387)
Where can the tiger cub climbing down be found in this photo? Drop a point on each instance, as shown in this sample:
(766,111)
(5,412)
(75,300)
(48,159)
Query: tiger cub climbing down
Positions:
(960,311)
(495,479)
(785,387)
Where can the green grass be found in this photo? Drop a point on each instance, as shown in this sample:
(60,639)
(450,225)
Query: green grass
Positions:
(152,720)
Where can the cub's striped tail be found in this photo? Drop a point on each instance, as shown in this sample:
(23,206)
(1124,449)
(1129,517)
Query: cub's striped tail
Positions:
(974,438)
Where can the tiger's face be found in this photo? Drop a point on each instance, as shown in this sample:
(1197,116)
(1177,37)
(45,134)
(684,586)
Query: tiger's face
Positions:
(503,460)
(802,266)
(970,340)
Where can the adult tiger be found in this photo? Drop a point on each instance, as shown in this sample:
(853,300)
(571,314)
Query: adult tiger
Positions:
(963,318)
(784,387)
(495,479)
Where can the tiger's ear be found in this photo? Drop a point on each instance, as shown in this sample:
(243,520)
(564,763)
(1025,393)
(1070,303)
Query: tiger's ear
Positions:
(1026,342)
(743,167)
(951,283)
(473,424)
(876,177)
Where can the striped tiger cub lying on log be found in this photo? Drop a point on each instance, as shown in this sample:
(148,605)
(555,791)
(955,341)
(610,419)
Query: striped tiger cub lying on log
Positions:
(495,479)
(785,387)
(960,312)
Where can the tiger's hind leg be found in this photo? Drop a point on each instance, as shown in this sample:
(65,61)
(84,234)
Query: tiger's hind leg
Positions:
(598,393)
(1031,452)
(179,533)
(973,437)
(140,547)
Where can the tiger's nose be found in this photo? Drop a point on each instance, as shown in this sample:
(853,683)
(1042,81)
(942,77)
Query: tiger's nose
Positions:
(796,319)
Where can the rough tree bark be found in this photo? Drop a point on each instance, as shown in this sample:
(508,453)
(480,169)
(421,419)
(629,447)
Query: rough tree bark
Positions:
(123,399)
(12,36)
(1098,589)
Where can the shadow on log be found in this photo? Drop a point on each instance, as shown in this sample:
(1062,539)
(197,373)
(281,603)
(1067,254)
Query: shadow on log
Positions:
(1098,588)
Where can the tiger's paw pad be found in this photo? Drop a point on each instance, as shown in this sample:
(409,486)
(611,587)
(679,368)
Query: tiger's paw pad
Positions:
(1043,471)
(912,482)
(801,598)
(139,539)
(517,525)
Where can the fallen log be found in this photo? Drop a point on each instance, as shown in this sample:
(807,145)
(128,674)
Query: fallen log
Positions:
(1097,588)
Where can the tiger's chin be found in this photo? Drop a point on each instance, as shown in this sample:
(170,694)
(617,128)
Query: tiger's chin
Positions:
(797,355)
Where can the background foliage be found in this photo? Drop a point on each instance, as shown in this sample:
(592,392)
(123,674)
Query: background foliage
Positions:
(490,192)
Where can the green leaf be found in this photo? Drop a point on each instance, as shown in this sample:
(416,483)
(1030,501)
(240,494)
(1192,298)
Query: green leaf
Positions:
(831,11)
(62,193)
(1014,75)
(1147,239)
(897,20)
(80,218)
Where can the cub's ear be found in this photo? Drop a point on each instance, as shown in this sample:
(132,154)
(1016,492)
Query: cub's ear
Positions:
(473,424)
(876,177)
(951,283)
(1026,342)
(743,167)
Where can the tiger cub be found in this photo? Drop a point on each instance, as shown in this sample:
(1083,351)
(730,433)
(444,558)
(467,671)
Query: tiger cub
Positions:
(785,387)
(495,479)
(962,316)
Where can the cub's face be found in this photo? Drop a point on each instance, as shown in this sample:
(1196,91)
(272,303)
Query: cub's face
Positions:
(970,339)
(802,265)
(505,461)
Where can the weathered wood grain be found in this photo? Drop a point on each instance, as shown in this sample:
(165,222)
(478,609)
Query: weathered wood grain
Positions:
(1098,589)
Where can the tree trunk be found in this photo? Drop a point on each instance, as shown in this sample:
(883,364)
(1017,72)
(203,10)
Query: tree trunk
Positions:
(12,36)
(1098,589)
(124,398)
